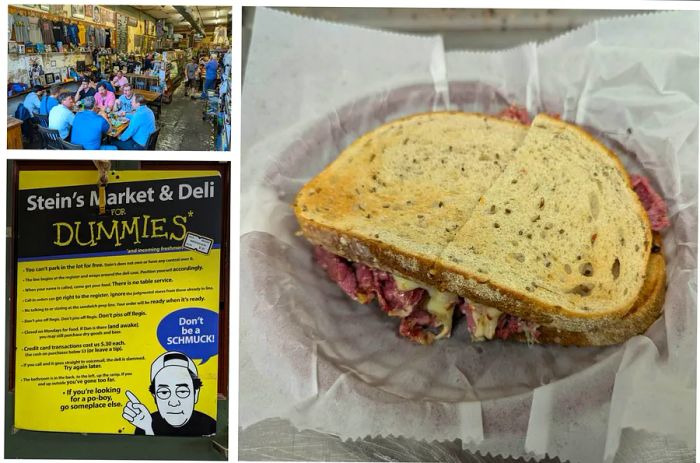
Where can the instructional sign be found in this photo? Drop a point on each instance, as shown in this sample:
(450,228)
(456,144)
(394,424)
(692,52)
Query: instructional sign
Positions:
(117,313)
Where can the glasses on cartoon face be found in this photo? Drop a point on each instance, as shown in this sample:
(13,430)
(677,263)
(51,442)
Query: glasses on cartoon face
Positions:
(164,392)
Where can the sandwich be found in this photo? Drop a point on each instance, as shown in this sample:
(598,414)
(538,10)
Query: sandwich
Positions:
(532,232)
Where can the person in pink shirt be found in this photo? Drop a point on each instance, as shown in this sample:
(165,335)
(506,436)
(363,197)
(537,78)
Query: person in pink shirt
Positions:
(104,99)
(119,80)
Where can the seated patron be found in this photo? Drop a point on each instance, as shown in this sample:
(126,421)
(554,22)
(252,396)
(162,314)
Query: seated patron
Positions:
(50,100)
(61,116)
(87,88)
(32,102)
(108,85)
(123,103)
(119,80)
(89,126)
(104,99)
(142,125)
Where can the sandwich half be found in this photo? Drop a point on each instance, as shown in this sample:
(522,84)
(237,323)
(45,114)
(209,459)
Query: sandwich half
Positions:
(534,233)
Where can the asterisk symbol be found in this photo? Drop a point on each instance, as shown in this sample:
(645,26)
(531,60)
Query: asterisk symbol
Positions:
(190,214)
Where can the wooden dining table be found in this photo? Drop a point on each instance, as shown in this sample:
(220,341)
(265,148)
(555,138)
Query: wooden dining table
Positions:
(114,131)
(149,96)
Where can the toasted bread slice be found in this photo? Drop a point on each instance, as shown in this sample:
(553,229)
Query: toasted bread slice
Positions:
(560,238)
(397,195)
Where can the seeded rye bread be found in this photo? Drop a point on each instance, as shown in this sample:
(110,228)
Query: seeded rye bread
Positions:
(397,195)
(359,228)
(560,238)
(646,309)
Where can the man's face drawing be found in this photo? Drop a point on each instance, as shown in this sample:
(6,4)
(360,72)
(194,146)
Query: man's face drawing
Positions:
(175,395)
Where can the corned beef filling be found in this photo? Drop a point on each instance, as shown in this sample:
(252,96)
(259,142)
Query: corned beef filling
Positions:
(507,324)
(363,284)
(652,202)
(515,113)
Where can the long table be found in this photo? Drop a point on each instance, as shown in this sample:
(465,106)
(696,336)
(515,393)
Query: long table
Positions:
(113,131)
(149,96)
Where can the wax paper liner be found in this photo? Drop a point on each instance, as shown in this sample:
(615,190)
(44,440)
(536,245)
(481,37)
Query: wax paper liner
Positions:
(310,355)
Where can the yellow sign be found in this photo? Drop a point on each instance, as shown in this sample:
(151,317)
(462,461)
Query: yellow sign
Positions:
(117,313)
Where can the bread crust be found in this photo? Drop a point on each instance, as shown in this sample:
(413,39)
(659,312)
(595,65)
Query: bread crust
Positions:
(646,310)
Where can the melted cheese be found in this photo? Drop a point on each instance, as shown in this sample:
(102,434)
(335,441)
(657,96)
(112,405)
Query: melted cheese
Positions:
(441,304)
(485,321)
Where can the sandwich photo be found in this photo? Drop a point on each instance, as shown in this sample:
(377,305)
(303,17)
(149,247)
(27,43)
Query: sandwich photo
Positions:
(532,231)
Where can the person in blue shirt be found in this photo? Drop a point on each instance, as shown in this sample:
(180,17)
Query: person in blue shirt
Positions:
(89,126)
(210,77)
(123,103)
(142,125)
(49,101)
(33,101)
(61,116)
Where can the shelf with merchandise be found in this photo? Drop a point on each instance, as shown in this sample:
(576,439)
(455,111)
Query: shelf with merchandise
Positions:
(174,65)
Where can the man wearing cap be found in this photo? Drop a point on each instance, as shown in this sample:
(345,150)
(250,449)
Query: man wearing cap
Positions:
(87,88)
(175,387)
(33,100)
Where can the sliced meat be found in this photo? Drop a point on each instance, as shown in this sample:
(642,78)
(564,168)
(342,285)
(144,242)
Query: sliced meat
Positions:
(398,303)
(508,325)
(338,269)
(467,309)
(415,326)
(515,113)
(366,287)
(652,202)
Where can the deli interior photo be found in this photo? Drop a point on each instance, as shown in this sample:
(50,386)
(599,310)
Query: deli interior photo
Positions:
(88,77)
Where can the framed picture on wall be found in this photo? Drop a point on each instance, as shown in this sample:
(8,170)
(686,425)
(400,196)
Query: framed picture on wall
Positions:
(96,16)
(88,11)
(45,7)
(50,78)
(20,48)
(77,11)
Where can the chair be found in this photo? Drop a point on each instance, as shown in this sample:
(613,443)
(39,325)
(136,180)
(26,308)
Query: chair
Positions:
(70,146)
(152,140)
(157,105)
(50,138)
(42,120)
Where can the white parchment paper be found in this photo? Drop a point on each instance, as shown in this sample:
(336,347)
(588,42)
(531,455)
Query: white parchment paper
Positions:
(308,354)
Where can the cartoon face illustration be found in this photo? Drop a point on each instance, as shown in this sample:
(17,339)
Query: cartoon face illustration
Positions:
(175,394)
(175,387)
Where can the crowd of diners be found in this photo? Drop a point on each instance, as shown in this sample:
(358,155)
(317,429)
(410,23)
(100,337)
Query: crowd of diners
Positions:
(82,117)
